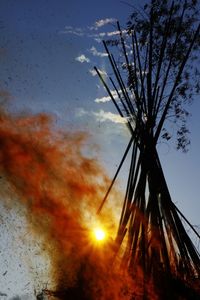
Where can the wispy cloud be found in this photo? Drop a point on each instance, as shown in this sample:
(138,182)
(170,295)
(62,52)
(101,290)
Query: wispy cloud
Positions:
(104,22)
(95,52)
(102,99)
(93,31)
(103,116)
(80,112)
(94,73)
(107,98)
(74,30)
(82,58)
(116,32)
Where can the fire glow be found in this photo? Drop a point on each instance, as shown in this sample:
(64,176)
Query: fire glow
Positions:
(57,185)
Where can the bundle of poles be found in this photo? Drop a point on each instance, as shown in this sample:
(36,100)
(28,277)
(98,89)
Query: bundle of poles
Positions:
(151,230)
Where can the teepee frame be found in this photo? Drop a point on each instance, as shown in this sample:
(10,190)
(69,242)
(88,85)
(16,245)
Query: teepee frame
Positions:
(150,226)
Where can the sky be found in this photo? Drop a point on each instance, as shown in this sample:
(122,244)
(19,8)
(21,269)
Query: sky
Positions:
(47,53)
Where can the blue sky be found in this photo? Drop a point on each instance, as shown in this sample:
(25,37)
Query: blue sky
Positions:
(47,53)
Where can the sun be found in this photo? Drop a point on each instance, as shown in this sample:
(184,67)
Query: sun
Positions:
(99,234)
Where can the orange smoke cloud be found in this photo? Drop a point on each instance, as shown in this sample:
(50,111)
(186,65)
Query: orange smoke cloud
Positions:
(61,190)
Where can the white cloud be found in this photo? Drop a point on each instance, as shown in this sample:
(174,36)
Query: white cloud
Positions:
(117,32)
(95,52)
(98,40)
(107,98)
(111,33)
(102,34)
(104,22)
(94,73)
(103,116)
(82,58)
(92,32)
(102,99)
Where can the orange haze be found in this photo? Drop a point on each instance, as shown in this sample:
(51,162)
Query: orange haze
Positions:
(61,190)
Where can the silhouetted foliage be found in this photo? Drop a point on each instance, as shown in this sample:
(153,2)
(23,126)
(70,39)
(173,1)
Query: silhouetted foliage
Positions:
(163,32)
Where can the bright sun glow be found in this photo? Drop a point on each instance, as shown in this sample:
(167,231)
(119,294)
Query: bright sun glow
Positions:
(99,234)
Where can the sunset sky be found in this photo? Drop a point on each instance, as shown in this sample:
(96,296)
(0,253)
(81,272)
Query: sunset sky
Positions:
(48,49)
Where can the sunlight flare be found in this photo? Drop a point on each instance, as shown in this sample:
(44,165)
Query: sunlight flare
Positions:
(99,234)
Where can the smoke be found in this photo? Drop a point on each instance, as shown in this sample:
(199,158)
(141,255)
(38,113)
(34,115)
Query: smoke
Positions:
(61,190)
